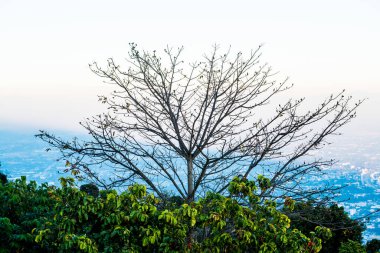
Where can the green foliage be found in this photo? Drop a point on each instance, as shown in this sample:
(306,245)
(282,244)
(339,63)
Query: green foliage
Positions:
(306,216)
(90,189)
(3,178)
(373,246)
(24,206)
(70,220)
(351,247)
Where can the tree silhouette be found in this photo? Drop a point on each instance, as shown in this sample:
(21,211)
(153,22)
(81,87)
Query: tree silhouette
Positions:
(190,127)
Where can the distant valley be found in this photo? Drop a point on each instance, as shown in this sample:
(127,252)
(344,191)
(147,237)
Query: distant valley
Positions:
(358,169)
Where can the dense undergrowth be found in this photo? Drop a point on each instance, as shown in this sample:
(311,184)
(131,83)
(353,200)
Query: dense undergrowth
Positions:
(43,218)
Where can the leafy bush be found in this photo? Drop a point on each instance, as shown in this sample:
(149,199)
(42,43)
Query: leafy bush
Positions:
(306,216)
(373,246)
(3,178)
(351,247)
(90,189)
(66,219)
(24,206)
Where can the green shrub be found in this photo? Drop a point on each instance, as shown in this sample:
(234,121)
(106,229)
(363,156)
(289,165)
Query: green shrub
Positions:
(66,219)
(373,246)
(90,189)
(351,247)
(3,178)
(306,216)
(24,206)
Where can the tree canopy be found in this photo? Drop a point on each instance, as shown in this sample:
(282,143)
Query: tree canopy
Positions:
(190,127)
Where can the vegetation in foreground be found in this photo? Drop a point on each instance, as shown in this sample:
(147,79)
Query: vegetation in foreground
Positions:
(50,219)
(43,218)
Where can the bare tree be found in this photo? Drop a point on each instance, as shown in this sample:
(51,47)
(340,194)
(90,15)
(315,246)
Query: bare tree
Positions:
(190,128)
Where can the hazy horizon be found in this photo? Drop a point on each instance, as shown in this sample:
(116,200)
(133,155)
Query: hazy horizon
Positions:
(45,48)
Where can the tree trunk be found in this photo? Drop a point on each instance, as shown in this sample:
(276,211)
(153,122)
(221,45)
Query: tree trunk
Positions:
(190,180)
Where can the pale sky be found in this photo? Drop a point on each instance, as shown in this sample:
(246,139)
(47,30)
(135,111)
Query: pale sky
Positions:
(324,46)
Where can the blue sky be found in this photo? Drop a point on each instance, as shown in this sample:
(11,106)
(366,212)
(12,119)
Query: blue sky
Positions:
(45,47)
